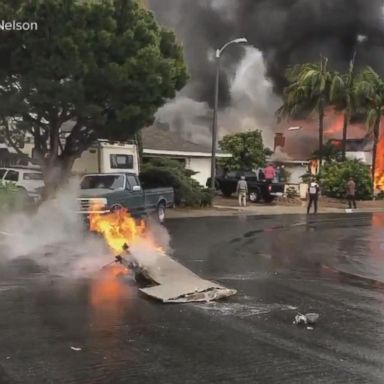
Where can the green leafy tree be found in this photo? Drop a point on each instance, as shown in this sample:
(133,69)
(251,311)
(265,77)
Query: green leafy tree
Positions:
(98,68)
(329,153)
(308,91)
(246,148)
(334,177)
(370,94)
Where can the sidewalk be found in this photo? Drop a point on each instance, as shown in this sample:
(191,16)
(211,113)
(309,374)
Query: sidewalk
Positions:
(229,208)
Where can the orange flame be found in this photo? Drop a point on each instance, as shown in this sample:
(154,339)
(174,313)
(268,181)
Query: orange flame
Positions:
(379,168)
(108,296)
(109,300)
(118,228)
(336,125)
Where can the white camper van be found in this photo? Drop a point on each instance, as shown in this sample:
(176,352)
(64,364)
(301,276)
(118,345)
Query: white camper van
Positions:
(107,157)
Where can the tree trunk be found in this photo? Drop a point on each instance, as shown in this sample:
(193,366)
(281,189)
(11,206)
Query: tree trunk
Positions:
(321,133)
(56,174)
(345,129)
(140,147)
(375,140)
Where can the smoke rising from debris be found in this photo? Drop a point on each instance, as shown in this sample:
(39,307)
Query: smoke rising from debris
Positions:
(283,32)
(54,237)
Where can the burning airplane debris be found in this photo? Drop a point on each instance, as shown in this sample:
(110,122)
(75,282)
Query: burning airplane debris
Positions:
(139,254)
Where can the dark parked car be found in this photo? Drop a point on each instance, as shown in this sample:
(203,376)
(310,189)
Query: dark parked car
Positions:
(257,190)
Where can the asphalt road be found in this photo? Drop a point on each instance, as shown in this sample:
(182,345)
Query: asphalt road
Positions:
(330,264)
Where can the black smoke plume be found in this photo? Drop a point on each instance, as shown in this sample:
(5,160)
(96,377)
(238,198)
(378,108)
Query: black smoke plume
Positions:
(287,32)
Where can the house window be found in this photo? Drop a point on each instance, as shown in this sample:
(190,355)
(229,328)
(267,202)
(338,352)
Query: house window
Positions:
(121,161)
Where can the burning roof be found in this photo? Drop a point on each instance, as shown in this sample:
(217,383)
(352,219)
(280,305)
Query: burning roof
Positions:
(300,144)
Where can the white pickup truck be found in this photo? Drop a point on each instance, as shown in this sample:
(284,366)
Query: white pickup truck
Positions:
(28,180)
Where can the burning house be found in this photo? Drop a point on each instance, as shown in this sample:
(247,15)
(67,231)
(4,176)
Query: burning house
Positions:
(252,78)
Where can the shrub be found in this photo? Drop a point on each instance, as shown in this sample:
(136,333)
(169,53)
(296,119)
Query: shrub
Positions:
(334,177)
(380,196)
(291,192)
(12,198)
(170,173)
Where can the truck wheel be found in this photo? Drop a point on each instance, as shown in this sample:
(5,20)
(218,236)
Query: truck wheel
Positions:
(226,193)
(254,196)
(160,212)
(116,207)
(269,199)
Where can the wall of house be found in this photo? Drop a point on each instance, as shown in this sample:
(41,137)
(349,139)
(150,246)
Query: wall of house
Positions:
(202,165)
(296,170)
(364,156)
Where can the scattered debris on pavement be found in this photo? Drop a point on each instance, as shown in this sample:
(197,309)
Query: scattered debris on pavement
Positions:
(312,318)
(169,281)
(308,319)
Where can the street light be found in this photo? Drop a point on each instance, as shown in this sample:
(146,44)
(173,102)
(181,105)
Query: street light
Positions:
(241,40)
(297,128)
(351,74)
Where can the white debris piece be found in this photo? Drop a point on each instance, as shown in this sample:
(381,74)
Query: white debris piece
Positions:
(177,284)
(77,349)
(309,318)
(312,318)
(300,319)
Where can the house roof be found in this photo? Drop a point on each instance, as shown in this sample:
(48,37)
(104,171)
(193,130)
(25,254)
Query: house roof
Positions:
(158,140)
(355,145)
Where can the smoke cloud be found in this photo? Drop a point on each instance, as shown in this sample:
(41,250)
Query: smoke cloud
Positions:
(54,238)
(283,32)
(252,106)
(286,32)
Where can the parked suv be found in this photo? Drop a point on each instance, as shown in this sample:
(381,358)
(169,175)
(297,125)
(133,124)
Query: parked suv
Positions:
(28,180)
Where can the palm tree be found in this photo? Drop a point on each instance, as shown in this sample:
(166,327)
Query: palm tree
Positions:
(330,152)
(342,96)
(370,95)
(308,91)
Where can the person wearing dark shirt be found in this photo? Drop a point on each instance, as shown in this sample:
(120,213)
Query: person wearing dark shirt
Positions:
(313,194)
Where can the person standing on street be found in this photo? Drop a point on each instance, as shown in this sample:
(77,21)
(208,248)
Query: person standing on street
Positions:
(313,194)
(351,193)
(242,191)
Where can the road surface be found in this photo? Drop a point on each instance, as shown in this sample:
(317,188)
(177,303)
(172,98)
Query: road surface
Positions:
(56,330)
